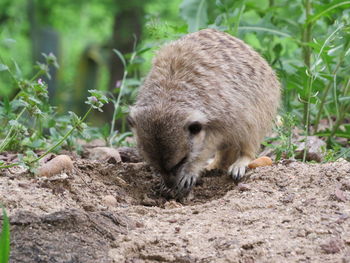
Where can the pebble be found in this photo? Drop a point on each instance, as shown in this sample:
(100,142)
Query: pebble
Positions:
(243,187)
(261,161)
(109,200)
(56,166)
(105,154)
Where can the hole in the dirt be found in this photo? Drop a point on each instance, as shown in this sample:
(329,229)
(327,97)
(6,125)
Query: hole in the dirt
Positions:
(143,185)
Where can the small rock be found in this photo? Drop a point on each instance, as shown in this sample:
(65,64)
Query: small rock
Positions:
(340,195)
(248,260)
(115,255)
(24,185)
(261,161)
(119,181)
(129,155)
(109,200)
(146,201)
(105,154)
(342,218)
(301,233)
(58,177)
(56,166)
(243,187)
(89,208)
(186,199)
(345,186)
(314,149)
(288,198)
(172,204)
(93,143)
(332,246)
(139,224)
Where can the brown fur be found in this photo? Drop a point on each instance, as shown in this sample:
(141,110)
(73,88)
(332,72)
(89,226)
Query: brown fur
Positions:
(217,80)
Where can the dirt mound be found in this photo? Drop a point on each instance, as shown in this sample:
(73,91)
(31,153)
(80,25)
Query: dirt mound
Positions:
(104,212)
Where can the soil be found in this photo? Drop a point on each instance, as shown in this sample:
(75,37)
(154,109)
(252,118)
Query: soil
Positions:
(112,212)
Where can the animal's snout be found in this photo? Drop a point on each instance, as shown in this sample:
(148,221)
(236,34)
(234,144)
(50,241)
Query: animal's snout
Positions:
(169,175)
(176,167)
(169,180)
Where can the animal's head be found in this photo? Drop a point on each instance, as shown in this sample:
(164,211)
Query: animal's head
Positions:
(171,140)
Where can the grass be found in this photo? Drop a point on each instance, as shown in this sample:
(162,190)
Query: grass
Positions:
(5,238)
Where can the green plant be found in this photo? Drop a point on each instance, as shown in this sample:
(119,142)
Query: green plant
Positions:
(31,123)
(283,144)
(127,91)
(5,238)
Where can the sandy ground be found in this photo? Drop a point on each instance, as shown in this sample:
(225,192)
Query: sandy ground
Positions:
(101,212)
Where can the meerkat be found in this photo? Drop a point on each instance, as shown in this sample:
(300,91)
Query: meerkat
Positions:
(207,93)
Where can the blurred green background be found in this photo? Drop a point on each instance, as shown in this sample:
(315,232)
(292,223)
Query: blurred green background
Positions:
(81,34)
(307,42)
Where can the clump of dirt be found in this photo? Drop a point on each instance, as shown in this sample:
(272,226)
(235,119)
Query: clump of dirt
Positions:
(112,212)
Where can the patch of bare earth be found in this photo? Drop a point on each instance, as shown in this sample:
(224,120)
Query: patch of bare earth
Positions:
(105,212)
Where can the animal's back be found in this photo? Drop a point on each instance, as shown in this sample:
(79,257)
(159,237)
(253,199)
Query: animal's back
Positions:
(220,75)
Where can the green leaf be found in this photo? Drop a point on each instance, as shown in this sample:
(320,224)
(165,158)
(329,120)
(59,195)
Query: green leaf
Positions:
(120,55)
(3,67)
(5,238)
(7,105)
(264,29)
(343,132)
(132,82)
(194,12)
(9,41)
(251,39)
(327,9)
(18,70)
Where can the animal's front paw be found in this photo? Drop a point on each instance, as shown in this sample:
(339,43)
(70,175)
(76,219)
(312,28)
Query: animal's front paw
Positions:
(186,183)
(181,189)
(238,169)
(237,172)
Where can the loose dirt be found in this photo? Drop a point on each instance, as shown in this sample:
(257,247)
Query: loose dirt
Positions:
(112,212)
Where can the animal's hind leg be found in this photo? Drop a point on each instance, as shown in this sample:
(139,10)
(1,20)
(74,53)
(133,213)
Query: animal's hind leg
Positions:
(223,159)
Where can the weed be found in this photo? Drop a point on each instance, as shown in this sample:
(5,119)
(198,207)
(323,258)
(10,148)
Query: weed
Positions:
(30,123)
(283,144)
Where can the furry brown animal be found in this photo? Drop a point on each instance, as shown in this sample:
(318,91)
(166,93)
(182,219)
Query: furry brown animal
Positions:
(206,93)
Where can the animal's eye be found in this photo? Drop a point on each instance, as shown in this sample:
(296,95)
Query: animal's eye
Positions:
(195,128)
(130,121)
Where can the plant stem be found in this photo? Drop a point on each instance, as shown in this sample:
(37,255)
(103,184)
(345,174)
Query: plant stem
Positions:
(5,142)
(38,74)
(342,154)
(240,12)
(344,109)
(116,104)
(8,166)
(338,122)
(324,96)
(63,138)
(116,107)
(306,38)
